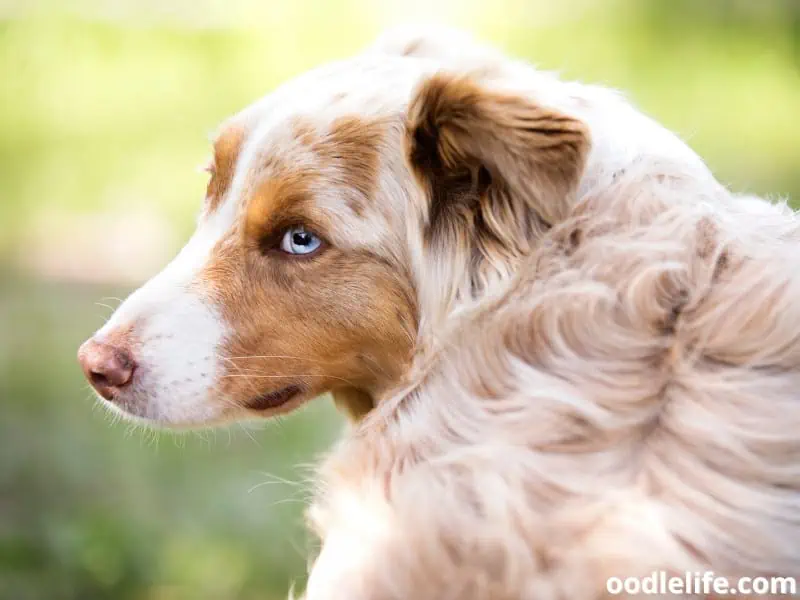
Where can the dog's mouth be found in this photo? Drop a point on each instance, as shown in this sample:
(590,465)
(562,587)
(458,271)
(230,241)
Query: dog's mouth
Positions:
(274,399)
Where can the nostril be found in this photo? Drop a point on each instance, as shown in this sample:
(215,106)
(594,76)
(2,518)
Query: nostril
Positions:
(98,379)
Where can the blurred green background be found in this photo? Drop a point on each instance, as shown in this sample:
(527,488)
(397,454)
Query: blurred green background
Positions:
(105,108)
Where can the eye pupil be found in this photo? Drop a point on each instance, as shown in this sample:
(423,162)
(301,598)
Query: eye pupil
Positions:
(301,238)
(298,240)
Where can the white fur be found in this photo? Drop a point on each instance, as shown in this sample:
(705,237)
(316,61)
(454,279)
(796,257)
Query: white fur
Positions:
(175,322)
(176,331)
(541,449)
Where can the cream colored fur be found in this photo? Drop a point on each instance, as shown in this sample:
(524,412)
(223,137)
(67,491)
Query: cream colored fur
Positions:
(628,399)
(572,354)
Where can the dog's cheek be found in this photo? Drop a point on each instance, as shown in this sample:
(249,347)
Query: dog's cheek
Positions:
(172,333)
(182,354)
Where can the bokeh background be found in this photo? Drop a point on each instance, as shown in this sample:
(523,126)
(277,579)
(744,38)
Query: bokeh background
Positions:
(105,106)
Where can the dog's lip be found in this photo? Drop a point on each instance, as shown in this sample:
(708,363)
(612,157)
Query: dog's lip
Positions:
(274,399)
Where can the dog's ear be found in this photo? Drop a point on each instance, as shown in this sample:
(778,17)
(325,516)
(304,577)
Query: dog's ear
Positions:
(499,168)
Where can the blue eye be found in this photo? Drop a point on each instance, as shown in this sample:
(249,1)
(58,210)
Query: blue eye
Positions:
(298,240)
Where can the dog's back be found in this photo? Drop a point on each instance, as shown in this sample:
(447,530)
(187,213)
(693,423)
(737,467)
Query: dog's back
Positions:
(628,403)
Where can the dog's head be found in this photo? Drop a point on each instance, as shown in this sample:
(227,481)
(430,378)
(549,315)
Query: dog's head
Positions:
(344,211)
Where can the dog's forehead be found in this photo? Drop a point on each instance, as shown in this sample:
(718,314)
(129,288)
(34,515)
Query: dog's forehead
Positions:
(280,131)
(365,87)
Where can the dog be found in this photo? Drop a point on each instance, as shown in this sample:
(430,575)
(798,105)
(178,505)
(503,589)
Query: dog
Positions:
(567,351)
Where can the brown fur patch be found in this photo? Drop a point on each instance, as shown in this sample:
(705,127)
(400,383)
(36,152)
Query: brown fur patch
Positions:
(458,127)
(341,321)
(276,202)
(305,132)
(226,152)
(350,149)
(499,170)
(353,146)
(323,324)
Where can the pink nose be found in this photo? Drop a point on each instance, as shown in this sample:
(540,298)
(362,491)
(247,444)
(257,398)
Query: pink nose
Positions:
(108,368)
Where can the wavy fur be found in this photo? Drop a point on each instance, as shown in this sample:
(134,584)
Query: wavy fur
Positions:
(624,399)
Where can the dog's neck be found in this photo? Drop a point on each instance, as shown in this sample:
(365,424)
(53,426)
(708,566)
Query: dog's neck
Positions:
(448,309)
(455,274)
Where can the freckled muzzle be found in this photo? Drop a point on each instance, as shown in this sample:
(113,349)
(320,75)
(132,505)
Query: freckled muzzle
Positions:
(156,358)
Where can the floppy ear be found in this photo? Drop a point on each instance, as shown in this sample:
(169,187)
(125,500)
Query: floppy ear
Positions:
(499,169)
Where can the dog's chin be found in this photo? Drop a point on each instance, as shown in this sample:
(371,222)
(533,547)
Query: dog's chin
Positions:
(171,414)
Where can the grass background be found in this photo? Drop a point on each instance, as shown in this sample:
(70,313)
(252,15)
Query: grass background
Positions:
(104,111)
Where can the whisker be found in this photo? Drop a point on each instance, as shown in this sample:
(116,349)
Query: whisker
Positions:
(253,388)
(255,376)
(247,433)
(279,424)
(286,501)
(322,362)
(105,318)
(154,440)
(275,479)
(263,484)
(202,435)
